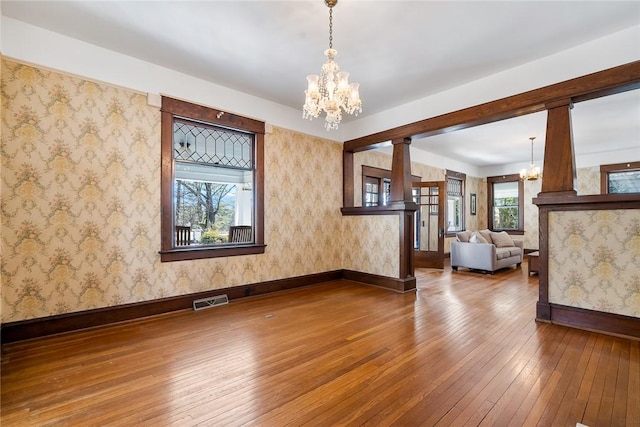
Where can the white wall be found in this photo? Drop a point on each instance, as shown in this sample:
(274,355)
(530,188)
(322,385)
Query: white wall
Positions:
(35,45)
(610,51)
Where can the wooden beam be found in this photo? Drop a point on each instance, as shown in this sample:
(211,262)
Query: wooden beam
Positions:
(614,80)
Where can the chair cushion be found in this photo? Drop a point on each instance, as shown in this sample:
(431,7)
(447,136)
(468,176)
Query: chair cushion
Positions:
(502,240)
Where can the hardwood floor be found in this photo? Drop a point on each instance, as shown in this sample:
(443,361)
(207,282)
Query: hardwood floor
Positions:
(462,350)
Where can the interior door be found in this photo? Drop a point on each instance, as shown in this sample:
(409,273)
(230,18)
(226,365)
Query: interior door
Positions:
(428,240)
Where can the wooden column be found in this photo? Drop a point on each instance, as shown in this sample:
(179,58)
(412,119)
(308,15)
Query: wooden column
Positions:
(401,172)
(559,170)
(402,199)
(347,179)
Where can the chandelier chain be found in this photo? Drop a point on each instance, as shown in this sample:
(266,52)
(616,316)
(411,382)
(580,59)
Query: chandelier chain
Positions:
(532,138)
(331,28)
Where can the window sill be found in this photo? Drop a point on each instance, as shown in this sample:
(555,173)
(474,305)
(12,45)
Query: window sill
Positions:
(184,254)
(515,232)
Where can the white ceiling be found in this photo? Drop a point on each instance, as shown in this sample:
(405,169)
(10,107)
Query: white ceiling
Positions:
(399,51)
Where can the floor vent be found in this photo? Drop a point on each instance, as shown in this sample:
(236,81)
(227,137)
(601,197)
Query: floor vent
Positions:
(203,303)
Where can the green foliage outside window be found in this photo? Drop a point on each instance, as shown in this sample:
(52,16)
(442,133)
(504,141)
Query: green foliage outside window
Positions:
(505,213)
(206,206)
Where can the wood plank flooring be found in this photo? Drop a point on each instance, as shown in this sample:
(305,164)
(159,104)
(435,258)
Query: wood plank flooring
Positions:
(464,350)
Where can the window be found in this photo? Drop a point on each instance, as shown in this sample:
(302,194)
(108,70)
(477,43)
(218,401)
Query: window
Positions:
(506,203)
(371,191)
(455,201)
(376,186)
(212,185)
(622,178)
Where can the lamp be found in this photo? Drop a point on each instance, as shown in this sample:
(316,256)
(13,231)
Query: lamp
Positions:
(330,91)
(533,173)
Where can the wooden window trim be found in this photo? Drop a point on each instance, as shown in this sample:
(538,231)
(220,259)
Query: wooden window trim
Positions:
(173,107)
(506,178)
(462,177)
(616,167)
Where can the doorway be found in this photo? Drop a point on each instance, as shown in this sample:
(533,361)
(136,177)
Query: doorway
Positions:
(428,241)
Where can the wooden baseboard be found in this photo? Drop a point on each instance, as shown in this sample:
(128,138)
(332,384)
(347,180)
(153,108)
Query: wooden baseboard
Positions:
(543,311)
(43,326)
(595,321)
(398,285)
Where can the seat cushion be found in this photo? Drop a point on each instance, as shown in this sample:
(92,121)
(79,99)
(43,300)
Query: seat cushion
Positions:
(515,251)
(502,253)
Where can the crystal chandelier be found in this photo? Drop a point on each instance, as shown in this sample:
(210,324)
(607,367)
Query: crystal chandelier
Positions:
(331,92)
(533,173)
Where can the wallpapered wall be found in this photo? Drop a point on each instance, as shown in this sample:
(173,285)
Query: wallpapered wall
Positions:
(372,244)
(588,180)
(80,202)
(531,227)
(593,260)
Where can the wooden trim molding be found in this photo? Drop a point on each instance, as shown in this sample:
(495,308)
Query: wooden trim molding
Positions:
(52,325)
(618,167)
(43,326)
(463,215)
(506,178)
(596,321)
(398,285)
(174,109)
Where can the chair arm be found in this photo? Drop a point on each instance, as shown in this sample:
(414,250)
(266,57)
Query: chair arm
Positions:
(520,244)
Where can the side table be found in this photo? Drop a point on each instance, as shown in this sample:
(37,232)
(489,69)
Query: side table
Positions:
(532,260)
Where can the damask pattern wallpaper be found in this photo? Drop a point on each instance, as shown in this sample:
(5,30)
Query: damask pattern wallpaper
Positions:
(593,260)
(531,227)
(371,244)
(81,195)
(588,180)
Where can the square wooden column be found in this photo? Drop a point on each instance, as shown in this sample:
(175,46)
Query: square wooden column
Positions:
(401,172)
(402,200)
(559,170)
(558,182)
